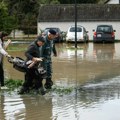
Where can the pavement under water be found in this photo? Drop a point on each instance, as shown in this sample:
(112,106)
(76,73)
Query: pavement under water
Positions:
(92,70)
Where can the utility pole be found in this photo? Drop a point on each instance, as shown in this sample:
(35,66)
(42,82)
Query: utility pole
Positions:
(75,24)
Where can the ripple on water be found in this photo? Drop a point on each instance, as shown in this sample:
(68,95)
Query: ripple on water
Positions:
(13,107)
(94,98)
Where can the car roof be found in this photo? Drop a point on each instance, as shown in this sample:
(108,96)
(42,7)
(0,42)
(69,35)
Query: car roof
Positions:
(104,25)
(77,26)
(52,28)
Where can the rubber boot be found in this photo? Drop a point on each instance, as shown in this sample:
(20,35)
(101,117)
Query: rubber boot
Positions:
(23,90)
(42,91)
(48,84)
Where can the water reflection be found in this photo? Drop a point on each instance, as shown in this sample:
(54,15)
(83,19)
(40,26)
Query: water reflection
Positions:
(94,73)
(103,52)
(88,63)
(12,108)
(15,107)
(69,51)
(42,107)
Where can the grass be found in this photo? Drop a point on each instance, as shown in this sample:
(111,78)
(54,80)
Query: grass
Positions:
(62,90)
(14,84)
(16,49)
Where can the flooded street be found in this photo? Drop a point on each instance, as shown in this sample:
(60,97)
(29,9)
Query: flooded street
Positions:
(91,70)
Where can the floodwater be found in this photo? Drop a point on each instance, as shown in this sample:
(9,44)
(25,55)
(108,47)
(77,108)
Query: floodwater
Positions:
(93,73)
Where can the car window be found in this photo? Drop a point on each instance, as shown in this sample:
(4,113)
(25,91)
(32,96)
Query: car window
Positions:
(73,29)
(56,29)
(104,29)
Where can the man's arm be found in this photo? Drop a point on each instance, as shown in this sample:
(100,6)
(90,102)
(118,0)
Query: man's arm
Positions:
(7,44)
(54,50)
(2,51)
(29,52)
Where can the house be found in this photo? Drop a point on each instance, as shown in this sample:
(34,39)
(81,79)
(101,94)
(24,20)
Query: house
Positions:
(112,2)
(88,15)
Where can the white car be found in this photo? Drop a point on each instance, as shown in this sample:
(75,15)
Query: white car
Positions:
(82,35)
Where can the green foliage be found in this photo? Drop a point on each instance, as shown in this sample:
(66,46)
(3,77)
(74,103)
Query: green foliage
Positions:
(22,14)
(62,90)
(25,12)
(12,84)
(7,22)
(11,48)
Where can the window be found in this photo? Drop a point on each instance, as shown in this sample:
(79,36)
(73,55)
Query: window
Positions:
(73,29)
(104,29)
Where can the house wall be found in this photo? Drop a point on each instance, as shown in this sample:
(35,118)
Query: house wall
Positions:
(113,2)
(88,25)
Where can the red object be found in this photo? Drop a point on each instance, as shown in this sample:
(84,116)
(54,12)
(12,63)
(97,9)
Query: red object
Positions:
(95,34)
(113,34)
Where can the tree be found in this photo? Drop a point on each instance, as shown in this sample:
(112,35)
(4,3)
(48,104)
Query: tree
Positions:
(26,11)
(7,23)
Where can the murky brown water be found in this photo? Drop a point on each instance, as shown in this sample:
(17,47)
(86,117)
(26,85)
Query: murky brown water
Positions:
(93,70)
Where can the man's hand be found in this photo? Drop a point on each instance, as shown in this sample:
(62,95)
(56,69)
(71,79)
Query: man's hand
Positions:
(34,61)
(8,56)
(37,59)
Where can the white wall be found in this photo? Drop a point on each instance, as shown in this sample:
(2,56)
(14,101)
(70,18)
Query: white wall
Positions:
(88,25)
(113,2)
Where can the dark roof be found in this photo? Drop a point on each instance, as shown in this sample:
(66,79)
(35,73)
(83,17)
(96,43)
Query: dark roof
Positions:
(105,25)
(106,1)
(85,12)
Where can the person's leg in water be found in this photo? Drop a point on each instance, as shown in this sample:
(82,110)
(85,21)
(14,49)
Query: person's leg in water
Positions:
(1,75)
(48,67)
(38,82)
(29,76)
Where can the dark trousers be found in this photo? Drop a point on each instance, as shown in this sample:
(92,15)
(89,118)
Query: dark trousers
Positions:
(1,75)
(48,67)
(32,79)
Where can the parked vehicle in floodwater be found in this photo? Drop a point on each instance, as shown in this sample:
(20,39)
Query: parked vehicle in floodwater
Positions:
(104,33)
(82,35)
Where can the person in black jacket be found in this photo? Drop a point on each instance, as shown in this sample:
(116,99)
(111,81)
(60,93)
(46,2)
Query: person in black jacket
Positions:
(32,77)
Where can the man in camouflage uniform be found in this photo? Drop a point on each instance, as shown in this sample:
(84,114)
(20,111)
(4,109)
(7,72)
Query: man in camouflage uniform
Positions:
(47,50)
